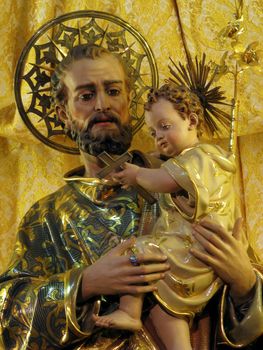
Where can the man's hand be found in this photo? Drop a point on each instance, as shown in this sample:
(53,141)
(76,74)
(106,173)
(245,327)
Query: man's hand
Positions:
(227,255)
(113,273)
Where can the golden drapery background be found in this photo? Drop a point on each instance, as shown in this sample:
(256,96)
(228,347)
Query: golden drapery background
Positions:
(30,170)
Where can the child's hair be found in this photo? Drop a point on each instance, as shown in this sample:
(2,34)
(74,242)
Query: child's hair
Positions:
(183,100)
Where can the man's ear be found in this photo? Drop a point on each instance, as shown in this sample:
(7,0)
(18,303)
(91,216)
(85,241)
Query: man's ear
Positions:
(193,121)
(62,115)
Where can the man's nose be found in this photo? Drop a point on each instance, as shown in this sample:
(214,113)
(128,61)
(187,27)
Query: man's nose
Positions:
(102,102)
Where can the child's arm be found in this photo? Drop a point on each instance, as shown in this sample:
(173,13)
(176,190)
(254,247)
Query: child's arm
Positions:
(154,180)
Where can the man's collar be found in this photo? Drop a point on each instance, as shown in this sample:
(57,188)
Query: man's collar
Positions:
(77,175)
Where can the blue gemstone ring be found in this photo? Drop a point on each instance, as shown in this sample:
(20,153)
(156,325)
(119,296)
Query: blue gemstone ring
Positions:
(133,260)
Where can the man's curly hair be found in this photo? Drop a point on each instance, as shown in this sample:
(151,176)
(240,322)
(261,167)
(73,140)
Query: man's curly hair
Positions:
(59,90)
(183,100)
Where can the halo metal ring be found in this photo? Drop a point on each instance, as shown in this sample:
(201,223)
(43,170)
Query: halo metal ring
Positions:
(51,43)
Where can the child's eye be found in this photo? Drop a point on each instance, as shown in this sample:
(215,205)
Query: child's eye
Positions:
(166,126)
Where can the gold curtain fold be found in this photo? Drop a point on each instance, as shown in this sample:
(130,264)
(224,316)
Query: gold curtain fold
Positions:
(29,170)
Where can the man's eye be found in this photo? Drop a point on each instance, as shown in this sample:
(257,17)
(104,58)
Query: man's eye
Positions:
(86,96)
(113,92)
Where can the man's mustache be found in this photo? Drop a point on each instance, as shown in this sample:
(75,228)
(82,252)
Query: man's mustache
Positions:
(102,117)
(115,141)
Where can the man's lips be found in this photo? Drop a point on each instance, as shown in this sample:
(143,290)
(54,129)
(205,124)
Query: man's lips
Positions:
(104,124)
(103,120)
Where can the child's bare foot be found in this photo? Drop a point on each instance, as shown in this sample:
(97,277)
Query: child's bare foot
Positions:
(119,320)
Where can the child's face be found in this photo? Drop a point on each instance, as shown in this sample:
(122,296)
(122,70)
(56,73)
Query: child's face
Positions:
(171,132)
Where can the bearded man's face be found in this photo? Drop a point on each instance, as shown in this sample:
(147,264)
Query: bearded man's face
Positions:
(98,105)
(92,140)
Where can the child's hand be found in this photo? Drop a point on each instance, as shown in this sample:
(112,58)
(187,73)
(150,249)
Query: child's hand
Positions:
(127,177)
(184,205)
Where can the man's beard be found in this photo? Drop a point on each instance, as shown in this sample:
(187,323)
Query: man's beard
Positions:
(113,141)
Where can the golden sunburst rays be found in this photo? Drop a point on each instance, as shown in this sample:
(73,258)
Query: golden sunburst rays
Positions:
(79,34)
(48,69)
(44,117)
(39,90)
(127,48)
(104,35)
(198,78)
(56,47)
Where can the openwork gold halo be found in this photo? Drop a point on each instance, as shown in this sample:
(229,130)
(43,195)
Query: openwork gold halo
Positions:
(47,48)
